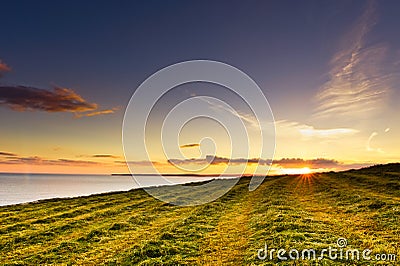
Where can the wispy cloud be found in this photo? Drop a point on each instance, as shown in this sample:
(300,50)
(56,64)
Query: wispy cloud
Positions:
(247,118)
(286,127)
(310,131)
(191,145)
(21,99)
(101,112)
(358,82)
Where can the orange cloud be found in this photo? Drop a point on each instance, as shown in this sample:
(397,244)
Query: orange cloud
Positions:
(4,67)
(21,99)
(101,112)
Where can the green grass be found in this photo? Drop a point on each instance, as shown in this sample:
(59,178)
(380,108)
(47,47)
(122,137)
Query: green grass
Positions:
(132,228)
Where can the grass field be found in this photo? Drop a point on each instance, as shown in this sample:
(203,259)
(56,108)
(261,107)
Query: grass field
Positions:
(289,212)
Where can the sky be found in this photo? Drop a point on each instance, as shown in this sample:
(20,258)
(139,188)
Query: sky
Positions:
(329,70)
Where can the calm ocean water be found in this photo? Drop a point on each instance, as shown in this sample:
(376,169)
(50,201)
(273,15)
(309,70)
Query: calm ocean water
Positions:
(21,188)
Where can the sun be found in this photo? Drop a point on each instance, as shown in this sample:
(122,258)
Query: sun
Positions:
(296,171)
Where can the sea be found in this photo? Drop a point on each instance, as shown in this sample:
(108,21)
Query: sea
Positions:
(22,188)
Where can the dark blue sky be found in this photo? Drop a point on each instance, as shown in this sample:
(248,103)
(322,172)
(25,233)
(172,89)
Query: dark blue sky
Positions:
(105,50)
(307,57)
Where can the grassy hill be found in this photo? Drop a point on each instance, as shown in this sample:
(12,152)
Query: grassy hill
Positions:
(289,212)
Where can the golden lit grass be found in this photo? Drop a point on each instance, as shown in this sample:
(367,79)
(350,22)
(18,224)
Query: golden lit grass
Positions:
(131,228)
(226,244)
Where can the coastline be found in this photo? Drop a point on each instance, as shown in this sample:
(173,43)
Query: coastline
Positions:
(39,201)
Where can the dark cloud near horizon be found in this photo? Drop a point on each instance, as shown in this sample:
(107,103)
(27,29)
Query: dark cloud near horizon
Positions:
(319,163)
(22,99)
(314,163)
(36,160)
(139,163)
(104,156)
(191,145)
(214,160)
(9,154)
(13,158)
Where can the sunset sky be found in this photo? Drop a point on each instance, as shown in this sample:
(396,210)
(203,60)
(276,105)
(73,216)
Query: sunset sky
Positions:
(329,69)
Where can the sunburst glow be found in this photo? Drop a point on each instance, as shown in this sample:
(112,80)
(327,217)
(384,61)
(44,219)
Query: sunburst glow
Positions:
(296,171)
